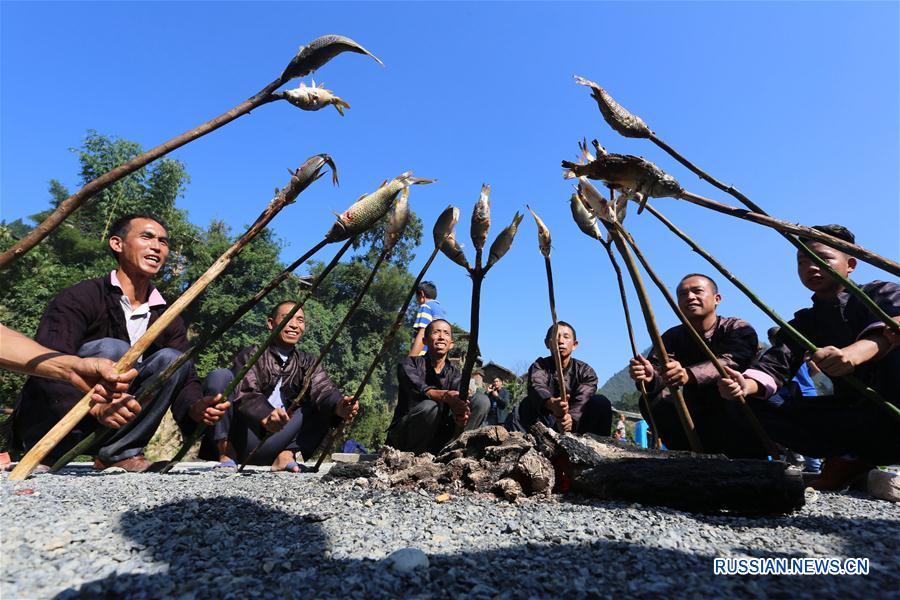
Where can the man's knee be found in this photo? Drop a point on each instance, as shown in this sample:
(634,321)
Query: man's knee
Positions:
(480,405)
(162,359)
(109,348)
(425,412)
(217,381)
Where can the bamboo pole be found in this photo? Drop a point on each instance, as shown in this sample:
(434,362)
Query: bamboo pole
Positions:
(544,245)
(758,430)
(385,345)
(310,58)
(150,391)
(396,224)
(323,351)
(634,349)
(62,428)
(680,405)
(785,228)
(789,329)
(273,335)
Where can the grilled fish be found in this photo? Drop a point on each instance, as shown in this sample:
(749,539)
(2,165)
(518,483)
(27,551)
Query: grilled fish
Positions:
(620,119)
(503,242)
(312,98)
(320,51)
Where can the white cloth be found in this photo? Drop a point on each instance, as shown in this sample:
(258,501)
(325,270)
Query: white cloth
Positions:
(275,400)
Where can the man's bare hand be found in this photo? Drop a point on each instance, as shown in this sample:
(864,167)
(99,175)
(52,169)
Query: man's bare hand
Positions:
(566,422)
(347,408)
(675,374)
(641,369)
(276,420)
(209,410)
(833,361)
(116,413)
(735,387)
(99,375)
(557,407)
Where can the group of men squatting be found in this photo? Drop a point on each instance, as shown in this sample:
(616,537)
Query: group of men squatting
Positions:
(99,319)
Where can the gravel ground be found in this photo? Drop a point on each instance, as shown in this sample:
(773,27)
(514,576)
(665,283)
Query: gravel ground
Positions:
(201,534)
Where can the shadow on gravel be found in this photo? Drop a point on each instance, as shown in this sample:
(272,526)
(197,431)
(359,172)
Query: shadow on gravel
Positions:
(237,548)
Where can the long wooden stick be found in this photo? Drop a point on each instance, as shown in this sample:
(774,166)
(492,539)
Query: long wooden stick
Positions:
(273,335)
(323,351)
(149,392)
(634,349)
(789,329)
(310,58)
(385,345)
(34,456)
(788,229)
(761,434)
(74,202)
(680,405)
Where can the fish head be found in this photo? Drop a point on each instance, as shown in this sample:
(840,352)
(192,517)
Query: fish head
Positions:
(481,217)
(504,241)
(406,179)
(543,233)
(311,170)
(616,115)
(582,216)
(666,187)
(314,55)
(445,224)
(397,219)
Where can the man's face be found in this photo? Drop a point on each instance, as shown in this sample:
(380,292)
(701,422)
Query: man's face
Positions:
(498,383)
(696,298)
(294,329)
(144,248)
(440,338)
(478,378)
(565,341)
(817,279)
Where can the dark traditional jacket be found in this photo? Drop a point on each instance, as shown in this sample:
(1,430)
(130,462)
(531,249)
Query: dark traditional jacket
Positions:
(88,311)
(251,398)
(732,340)
(543,384)
(831,323)
(415,376)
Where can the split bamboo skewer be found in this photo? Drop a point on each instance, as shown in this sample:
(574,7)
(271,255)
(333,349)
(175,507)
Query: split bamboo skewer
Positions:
(761,434)
(62,428)
(798,337)
(307,60)
(680,405)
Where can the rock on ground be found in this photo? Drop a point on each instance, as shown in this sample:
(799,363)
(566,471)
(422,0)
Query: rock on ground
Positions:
(198,534)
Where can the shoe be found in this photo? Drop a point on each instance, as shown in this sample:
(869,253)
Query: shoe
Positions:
(133,464)
(839,473)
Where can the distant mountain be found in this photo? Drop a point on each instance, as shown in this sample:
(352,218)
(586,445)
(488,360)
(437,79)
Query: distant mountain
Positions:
(621,391)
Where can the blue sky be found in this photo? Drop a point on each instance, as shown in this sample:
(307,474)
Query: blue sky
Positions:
(794,103)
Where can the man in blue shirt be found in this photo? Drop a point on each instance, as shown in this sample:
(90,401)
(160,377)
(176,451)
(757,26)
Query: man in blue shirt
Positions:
(429,310)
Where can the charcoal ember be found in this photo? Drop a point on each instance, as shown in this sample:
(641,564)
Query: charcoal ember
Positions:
(458,468)
(552,444)
(475,441)
(450,456)
(395,460)
(481,479)
(424,474)
(535,473)
(509,489)
(352,470)
(513,447)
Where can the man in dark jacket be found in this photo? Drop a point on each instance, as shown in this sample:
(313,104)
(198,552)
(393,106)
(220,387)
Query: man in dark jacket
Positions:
(585,412)
(262,396)
(499,397)
(103,317)
(853,433)
(429,407)
(721,426)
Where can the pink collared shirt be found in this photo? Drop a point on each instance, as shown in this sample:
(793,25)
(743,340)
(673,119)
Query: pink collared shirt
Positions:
(137,319)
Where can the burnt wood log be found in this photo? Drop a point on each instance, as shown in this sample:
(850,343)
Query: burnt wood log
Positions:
(682,480)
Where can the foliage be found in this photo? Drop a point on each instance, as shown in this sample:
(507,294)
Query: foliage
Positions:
(78,250)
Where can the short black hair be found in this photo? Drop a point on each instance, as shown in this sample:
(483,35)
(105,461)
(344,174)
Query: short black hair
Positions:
(428,327)
(712,282)
(558,325)
(120,226)
(429,289)
(274,312)
(838,231)
(772,332)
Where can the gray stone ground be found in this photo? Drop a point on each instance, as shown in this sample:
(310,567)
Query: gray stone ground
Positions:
(199,534)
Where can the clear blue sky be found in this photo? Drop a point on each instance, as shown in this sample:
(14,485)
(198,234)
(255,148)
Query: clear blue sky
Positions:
(795,103)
